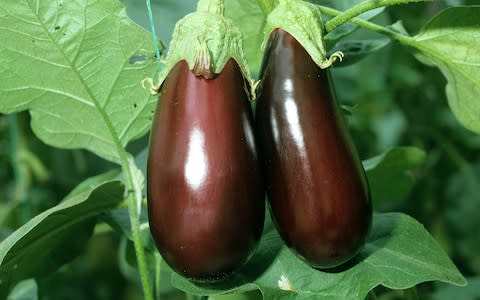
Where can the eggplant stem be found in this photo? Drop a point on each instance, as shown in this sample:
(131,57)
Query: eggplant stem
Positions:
(359,9)
(267,6)
(216,7)
(404,39)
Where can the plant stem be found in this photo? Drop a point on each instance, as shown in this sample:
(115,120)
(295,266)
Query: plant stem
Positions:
(266,5)
(135,226)
(158,274)
(361,8)
(404,39)
(20,181)
(216,7)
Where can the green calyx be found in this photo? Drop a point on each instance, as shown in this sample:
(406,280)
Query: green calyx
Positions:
(206,40)
(212,6)
(303,21)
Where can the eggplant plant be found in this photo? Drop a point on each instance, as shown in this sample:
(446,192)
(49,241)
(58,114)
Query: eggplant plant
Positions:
(332,170)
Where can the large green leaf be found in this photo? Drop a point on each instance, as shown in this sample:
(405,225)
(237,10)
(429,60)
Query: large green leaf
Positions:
(449,292)
(59,234)
(462,208)
(24,290)
(75,65)
(390,174)
(251,295)
(399,254)
(450,41)
(165,14)
(251,21)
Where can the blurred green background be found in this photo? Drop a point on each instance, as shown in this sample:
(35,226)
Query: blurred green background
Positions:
(395,101)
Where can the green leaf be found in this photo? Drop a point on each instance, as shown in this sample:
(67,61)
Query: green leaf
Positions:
(165,13)
(390,175)
(450,42)
(252,295)
(399,254)
(461,213)
(57,235)
(251,21)
(448,292)
(399,27)
(24,290)
(69,63)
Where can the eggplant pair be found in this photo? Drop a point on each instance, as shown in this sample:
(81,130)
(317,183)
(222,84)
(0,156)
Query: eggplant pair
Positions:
(205,178)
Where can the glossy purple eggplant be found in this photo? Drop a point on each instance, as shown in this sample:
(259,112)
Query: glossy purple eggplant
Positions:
(316,186)
(205,195)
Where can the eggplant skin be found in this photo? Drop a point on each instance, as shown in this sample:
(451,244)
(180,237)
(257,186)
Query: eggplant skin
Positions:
(317,189)
(206,202)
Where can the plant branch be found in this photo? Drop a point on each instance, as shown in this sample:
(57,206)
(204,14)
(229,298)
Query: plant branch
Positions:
(216,7)
(360,9)
(266,5)
(404,39)
(135,225)
(158,274)
(20,181)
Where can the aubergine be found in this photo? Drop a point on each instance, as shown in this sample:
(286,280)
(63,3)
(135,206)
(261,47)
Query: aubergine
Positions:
(317,189)
(206,201)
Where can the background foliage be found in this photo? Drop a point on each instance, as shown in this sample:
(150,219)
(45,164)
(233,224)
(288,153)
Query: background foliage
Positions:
(394,101)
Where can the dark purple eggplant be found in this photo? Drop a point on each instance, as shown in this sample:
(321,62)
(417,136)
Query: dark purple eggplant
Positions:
(205,195)
(317,189)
